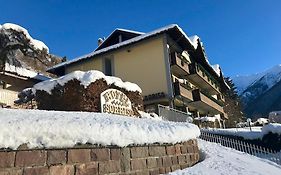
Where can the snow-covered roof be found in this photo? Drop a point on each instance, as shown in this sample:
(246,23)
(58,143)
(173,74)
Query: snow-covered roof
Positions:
(194,40)
(35,43)
(216,68)
(85,78)
(46,129)
(25,72)
(129,31)
(124,43)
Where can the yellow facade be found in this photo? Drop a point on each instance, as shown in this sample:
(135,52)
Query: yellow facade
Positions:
(142,63)
(93,64)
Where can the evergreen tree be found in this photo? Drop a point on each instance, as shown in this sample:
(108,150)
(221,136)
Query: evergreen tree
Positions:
(232,106)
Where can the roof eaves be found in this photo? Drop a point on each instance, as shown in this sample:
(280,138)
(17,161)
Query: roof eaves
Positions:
(124,43)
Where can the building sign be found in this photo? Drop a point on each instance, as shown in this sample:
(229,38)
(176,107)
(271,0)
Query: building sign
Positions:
(115,102)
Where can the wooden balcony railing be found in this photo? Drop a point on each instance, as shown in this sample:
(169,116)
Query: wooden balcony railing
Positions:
(200,76)
(179,65)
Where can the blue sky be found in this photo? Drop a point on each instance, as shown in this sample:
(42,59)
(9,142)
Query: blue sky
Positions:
(243,36)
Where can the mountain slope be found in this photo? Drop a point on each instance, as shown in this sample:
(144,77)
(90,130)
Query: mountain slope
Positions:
(260,93)
(242,82)
(265,103)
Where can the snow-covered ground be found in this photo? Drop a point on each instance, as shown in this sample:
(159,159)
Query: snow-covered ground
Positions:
(47,129)
(220,160)
(246,133)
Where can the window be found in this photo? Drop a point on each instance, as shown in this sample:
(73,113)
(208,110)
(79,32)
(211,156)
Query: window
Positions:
(108,67)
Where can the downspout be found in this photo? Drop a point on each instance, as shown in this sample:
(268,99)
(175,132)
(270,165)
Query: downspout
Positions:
(168,72)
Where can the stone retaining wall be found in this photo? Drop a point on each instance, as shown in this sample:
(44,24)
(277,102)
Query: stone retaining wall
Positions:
(89,160)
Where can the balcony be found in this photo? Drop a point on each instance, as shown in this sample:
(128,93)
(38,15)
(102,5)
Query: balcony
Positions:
(201,77)
(183,92)
(205,103)
(179,65)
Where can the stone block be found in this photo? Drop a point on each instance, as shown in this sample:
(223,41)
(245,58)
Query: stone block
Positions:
(87,169)
(139,152)
(159,161)
(176,167)
(115,154)
(79,156)
(11,171)
(62,170)
(151,163)
(178,149)
(56,157)
(125,160)
(171,150)
(154,172)
(182,159)
(7,159)
(111,166)
(175,160)
(36,171)
(162,170)
(138,164)
(101,154)
(157,151)
(167,161)
(31,158)
(183,149)
(168,170)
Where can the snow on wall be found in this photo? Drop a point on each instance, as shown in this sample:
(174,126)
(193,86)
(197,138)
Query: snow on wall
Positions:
(36,43)
(85,78)
(65,129)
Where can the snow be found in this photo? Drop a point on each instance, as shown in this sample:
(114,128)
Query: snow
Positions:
(47,129)
(209,119)
(130,31)
(24,72)
(152,116)
(272,127)
(85,78)
(271,76)
(246,133)
(35,43)
(240,132)
(216,68)
(262,121)
(130,41)
(220,160)
(194,41)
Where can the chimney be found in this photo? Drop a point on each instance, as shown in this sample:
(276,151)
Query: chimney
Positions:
(100,41)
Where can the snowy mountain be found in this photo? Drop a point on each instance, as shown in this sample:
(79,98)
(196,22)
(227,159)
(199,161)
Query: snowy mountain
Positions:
(242,82)
(22,54)
(256,91)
